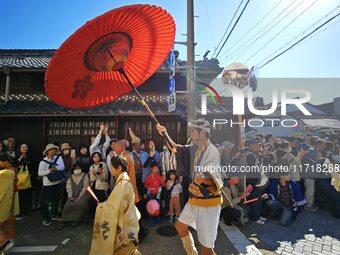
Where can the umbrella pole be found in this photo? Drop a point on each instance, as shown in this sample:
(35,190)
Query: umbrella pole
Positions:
(241,146)
(147,108)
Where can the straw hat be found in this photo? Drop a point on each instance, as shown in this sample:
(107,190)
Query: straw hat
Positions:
(65,146)
(49,147)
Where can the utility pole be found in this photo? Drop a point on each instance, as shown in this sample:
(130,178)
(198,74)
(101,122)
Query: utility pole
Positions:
(191,114)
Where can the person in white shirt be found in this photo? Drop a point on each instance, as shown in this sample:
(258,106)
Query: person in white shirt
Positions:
(51,168)
(99,181)
(101,148)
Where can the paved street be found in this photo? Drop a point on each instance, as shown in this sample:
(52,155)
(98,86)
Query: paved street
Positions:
(77,240)
(312,233)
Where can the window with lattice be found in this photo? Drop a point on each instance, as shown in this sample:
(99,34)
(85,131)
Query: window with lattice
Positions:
(86,128)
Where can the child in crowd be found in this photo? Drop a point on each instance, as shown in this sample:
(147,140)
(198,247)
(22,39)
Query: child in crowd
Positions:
(153,184)
(174,188)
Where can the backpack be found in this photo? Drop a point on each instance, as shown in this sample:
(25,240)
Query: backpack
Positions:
(57,175)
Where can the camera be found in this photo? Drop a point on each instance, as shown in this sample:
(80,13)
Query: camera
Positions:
(100,167)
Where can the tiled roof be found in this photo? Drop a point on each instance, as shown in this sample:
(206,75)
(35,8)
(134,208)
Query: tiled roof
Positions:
(39,59)
(36,59)
(40,105)
(327,107)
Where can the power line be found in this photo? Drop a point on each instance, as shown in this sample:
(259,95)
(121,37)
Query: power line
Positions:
(247,48)
(260,31)
(323,30)
(302,33)
(211,32)
(247,33)
(283,29)
(239,17)
(292,46)
(249,41)
(239,6)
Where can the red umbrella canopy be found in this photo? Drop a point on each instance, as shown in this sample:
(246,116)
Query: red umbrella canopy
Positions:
(84,73)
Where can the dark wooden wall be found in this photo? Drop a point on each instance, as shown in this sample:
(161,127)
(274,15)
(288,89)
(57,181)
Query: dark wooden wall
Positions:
(25,130)
(36,132)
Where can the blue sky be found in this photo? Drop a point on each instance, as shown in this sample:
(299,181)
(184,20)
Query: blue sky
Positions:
(41,24)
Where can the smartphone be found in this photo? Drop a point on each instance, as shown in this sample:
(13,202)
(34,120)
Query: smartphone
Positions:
(73,153)
(249,188)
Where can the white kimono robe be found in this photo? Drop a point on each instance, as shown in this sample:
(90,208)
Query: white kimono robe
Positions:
(116,221)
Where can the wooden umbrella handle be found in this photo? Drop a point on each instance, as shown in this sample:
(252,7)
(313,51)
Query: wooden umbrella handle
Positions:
(153,117)
(147,108)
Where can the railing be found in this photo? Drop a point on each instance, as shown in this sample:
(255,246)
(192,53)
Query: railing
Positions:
(20,83)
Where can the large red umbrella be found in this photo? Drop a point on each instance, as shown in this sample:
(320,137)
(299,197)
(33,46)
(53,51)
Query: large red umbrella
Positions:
(110,56)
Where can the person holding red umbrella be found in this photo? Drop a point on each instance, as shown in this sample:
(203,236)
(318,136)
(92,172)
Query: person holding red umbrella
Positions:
(202,212)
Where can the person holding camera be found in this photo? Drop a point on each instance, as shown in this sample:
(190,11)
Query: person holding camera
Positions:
(97,145)
(99,181)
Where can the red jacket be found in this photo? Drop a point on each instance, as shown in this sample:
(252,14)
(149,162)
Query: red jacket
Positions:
(153,183)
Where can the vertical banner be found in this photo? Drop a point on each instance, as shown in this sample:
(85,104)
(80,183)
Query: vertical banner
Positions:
(172,97)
